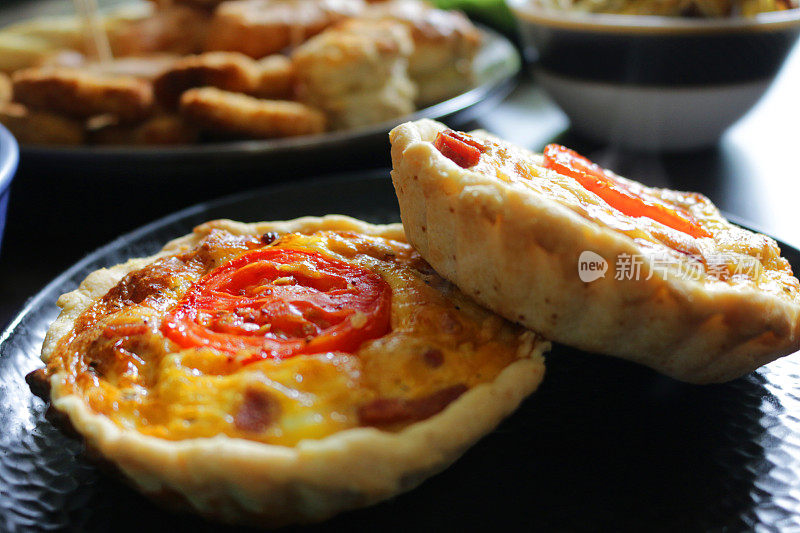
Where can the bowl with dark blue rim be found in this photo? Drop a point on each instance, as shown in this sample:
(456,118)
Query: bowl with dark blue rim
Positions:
(654,82)
(9,157)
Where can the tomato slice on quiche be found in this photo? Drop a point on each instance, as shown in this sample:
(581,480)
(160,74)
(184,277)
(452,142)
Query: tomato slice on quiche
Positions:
(559,244)
(280,302)
(282,372)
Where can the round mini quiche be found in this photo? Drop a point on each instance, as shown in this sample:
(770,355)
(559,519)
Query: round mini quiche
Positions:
(593,260)
(282,372)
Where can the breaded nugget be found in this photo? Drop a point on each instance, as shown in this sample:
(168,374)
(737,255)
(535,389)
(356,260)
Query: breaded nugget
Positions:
(157,130)
(240,115)
(80,94)
(34,127)
(354,62)
(143,67)
(30,40)
(6,89)
(173,29)
(262,27)
(445,45)
(133,29)
(22,51)
(199,4)
(64,59)
(230,71)
(276,79)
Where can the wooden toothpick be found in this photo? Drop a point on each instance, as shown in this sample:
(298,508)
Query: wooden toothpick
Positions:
(94,30)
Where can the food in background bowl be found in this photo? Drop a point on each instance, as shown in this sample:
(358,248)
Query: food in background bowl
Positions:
(357,64)
(652,82)
(673,8)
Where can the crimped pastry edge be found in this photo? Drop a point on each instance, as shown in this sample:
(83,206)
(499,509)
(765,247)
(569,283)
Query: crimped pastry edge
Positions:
(241,481)
(517,253)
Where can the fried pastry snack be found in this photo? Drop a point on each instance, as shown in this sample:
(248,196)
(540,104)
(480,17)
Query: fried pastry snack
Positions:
(236,114)
(147,67)
(282,372)
(20,51)
(354,63)
(173,29)
(537,239)
(445,45)
(166,129)
(357,72)
(276,78)
(262,27)
(200,4)
(6,89)
(132,30)
(37,127)
(81,94)
(229,71)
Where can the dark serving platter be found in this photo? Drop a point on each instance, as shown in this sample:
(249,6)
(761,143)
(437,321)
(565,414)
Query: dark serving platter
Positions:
(496,66)
(603,445)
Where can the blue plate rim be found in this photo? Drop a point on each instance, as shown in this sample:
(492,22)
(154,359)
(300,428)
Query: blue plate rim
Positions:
(9,158)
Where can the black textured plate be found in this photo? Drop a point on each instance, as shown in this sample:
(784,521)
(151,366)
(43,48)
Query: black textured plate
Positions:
(603,445)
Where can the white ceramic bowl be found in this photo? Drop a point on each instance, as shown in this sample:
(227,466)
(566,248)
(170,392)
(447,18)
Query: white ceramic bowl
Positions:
(654,83)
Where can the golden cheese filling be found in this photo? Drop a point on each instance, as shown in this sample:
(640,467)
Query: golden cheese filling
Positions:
(282,338)
(689,237)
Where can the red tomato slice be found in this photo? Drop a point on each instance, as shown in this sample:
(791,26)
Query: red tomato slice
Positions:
(595,179)
(281,302)
(460,148)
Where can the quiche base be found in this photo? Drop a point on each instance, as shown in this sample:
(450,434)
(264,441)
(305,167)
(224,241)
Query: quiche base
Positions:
(517,253)
(241,481)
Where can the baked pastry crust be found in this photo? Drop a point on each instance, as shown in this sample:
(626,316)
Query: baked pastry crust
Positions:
(244,481)
(516,250)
